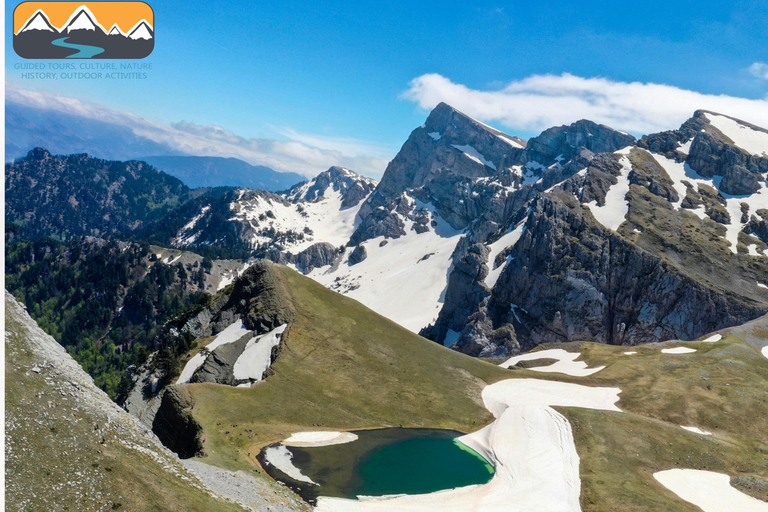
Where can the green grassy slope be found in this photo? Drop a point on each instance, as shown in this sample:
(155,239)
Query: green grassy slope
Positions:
(342,367)
(69,448)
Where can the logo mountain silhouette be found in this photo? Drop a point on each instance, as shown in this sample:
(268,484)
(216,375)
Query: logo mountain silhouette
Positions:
(82,35)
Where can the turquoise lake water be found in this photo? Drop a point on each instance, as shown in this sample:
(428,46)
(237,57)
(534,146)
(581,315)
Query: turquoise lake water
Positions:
(387,461)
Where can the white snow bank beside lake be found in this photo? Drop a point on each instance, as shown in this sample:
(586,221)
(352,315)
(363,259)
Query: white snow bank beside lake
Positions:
(530,444)
(764,351)
(713,339)
(232,333)
(566,362)
(313,439)
(678,350)
(257,355)
(710,491)
(282,458)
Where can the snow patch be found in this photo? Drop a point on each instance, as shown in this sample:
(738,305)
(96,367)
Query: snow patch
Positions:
(313,439)
(612,213)
(697,430)
(750,140)
(631,353)
(708,490)
(256,356)
(451,337)
(566,362)
(282,458)
(507,240)
(475,155)
(511,142)
(713,339)
(678,350)
(435,135)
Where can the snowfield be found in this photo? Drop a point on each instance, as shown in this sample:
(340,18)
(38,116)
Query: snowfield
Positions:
(612,213)
(257,355)
(750,140)
(566,362)
(321,221)
(710,491)
(404,279)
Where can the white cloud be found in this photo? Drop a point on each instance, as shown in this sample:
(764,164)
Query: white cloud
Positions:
(305,154)
(760,70)
(542,101)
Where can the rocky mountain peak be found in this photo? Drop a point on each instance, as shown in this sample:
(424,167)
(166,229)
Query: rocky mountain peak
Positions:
(563,142)
(352,187)
(449,142)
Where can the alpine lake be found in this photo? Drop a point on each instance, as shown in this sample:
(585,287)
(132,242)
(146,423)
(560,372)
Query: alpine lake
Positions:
(383,462)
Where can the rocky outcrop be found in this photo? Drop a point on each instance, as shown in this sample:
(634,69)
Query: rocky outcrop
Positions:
(175,426)
(711,155)
(571,279)
(358,254)
(564,142)
(219,365)
(315,256)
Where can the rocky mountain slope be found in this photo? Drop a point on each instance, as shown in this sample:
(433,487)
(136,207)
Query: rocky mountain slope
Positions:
(491,244)
(69,447)
(105,300)
(637,247)
(78,195)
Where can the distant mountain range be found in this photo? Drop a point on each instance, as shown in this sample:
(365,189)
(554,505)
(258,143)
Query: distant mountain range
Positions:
(213,171)
(65,134)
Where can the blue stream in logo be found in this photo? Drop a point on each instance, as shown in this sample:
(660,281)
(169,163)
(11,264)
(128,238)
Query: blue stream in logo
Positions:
(86,52)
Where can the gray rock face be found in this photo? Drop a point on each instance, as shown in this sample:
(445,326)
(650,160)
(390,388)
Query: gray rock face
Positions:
(565,141)
(219,365)
(571,279)
(711,156)
(314,256)
(358,255)
(430,151)
(175,426)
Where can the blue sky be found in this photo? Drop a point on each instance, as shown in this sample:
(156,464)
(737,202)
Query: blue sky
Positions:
(336,75)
